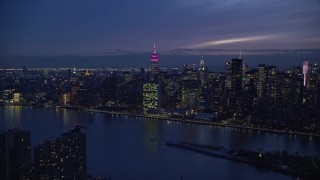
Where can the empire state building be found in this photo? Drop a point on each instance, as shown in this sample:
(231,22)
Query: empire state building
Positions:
(154,61)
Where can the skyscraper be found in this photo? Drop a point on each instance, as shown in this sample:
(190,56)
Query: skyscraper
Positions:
(228,69)
(271,82)
(305,70)
(154,61)
(62,158)
(227,85)
(236,86)
(203,72)
(261,80)
(150,97)
(201,64)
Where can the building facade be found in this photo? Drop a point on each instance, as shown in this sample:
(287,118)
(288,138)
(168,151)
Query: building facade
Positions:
(64,157)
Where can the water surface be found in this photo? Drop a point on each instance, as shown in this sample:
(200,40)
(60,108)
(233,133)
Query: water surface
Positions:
(134,148)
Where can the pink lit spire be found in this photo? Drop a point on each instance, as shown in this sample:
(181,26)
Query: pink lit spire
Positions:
(154,57)
(305,70)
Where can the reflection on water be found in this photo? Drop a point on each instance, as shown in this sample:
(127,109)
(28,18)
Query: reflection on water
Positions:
(134,148)
(12,115)
(151,131)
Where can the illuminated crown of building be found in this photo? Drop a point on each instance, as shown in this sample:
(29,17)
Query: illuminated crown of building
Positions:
(154,57)
(87,72)
(305,70)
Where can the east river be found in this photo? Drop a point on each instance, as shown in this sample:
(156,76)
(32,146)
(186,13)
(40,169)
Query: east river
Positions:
(124,147)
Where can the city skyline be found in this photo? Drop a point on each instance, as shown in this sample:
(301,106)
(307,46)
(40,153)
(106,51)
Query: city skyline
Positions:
(263,99)
(171,89)
(215,59)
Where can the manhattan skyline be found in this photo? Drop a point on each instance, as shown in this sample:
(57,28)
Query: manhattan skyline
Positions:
(171,89)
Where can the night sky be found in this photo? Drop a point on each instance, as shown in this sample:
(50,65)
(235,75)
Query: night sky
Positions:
(63,28)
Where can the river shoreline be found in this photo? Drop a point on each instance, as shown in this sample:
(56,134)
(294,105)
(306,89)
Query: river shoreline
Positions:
(255,159)
(195,121)
(189,121)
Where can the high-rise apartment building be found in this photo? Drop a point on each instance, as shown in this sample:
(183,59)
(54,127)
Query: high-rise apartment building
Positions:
(64,157)
(150,97)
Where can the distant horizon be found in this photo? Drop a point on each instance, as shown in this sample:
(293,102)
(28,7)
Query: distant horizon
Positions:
(179,51)
(216,58)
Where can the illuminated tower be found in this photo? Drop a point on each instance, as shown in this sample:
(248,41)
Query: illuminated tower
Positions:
(305,71)
(201,63)
(87,73)
(315,68)
(203,72)
(154,61)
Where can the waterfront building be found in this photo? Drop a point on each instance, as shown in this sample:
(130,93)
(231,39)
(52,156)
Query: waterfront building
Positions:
(16,98)
(65,99)
(151,93)
(64,157)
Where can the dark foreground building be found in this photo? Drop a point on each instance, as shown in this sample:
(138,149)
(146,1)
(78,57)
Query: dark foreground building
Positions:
(63,157)
(15,154)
